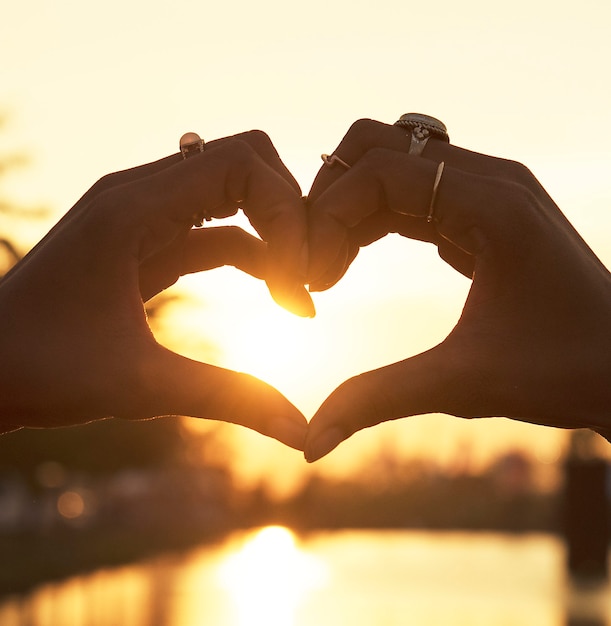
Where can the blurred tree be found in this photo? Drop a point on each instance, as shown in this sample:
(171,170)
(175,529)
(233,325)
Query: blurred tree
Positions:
(9,249)
(98,448)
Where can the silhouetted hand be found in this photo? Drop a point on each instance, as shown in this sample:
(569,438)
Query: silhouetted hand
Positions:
(75,345)
(534,340)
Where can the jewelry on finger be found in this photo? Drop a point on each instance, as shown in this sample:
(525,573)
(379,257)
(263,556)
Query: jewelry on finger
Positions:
(190,144)
(421,128)
(332,159)
(429,217)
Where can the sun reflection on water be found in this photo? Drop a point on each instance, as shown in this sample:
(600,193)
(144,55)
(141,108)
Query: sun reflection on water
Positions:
(269,578)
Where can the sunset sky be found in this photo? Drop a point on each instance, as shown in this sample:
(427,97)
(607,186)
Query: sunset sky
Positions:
(92,88)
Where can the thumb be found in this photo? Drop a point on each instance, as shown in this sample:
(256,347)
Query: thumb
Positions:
(177,385)
(421,384)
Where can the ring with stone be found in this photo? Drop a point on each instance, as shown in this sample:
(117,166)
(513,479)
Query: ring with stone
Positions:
(190,144)
(421,128)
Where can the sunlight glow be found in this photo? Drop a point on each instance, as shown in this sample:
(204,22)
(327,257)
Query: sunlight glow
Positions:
(269,578)
(272,344)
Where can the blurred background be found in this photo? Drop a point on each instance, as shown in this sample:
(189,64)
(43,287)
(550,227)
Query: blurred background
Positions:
(474,513)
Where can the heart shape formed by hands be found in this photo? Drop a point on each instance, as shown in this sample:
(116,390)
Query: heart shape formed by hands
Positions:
(532,343)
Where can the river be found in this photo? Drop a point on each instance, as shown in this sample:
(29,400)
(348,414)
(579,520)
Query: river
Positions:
(272,577)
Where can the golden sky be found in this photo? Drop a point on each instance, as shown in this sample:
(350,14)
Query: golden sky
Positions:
(92,88)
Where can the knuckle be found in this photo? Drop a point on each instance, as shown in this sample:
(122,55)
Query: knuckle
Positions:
(258,138)
(238,151)
(364,130)
(105,200)
(518,173)
(108,212)
(512,208)
(262,145)
(513,194)
(107,181)
(238,161)
(378,158)
(377,154)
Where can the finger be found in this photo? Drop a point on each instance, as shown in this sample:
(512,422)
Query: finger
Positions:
(200,250)
(365,135)
(208,248)
(393,192)
(258,141)
(362,136)
(370,229)
(263,146)
(422,384)
(280,219)
(217,182)
(175,385)
(387,191)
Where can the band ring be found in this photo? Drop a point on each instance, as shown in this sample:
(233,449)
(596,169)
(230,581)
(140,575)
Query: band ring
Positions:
(421,128)
(332,159)
(191,144)
(431,213)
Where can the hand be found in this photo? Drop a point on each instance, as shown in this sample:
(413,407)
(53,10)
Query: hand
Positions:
(534,340)
(75,342)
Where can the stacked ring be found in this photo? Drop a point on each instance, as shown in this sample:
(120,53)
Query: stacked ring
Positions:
(421,128)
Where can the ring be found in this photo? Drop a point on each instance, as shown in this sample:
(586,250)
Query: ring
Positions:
(429,217)
(190,144)
(331,160)
(422,128)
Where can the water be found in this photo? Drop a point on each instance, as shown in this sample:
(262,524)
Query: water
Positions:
(270,577)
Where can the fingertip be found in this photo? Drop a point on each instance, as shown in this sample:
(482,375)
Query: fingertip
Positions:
(304,303)
(322,443)
(328,265)
(297,301)
(291,433)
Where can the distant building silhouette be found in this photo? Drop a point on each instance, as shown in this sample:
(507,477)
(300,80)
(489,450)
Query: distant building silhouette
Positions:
(586,516)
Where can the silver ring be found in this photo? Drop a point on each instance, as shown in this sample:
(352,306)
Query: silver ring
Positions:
(431,213)
(190,144)
(421,128)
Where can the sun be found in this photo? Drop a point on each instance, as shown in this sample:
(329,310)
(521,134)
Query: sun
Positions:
(273,345)
(228,319)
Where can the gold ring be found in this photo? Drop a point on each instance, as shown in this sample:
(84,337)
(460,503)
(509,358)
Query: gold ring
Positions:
(331,160)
